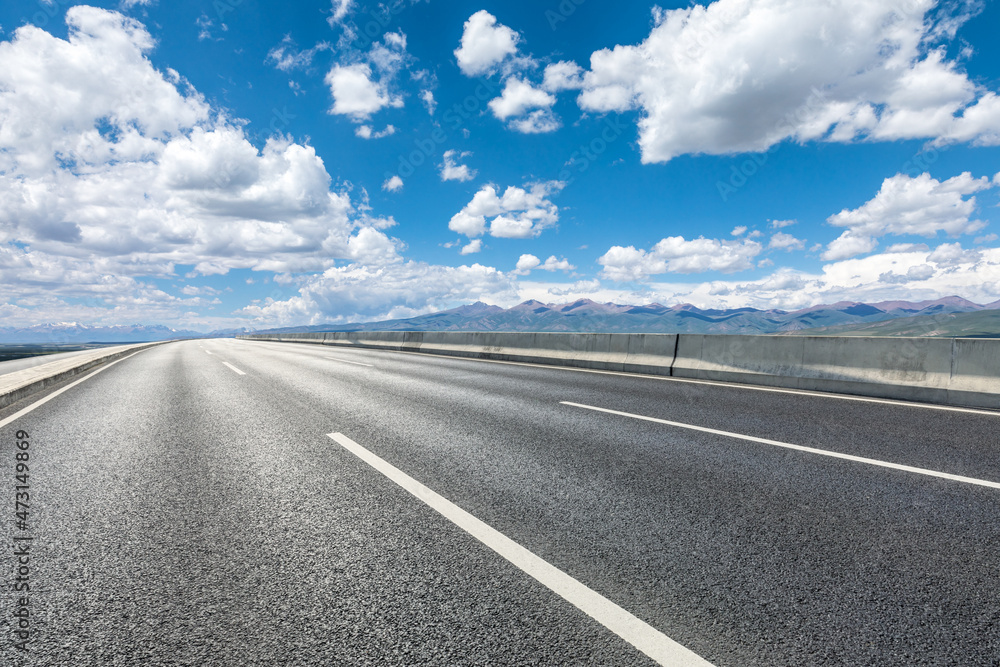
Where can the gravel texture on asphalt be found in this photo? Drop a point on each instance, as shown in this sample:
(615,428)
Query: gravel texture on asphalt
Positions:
(187,515)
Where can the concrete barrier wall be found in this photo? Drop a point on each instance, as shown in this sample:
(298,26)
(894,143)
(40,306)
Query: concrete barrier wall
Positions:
(913,368)
(975,370)
(21,384)
(634,353)
(935,370)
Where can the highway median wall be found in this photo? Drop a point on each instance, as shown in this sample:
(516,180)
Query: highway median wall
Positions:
(631,353)
(933,370)
(962,372)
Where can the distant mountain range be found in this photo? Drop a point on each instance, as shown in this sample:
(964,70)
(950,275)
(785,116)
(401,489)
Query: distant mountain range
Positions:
(950,316)
(587,315)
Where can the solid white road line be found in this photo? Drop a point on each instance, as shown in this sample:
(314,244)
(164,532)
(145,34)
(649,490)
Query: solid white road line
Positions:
(345,361)
(713,383)
(233,368)
(811,450)
(43,401)
(641,635)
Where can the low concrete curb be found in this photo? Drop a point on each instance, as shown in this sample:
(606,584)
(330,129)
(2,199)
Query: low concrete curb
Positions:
(20,384)
(961,372)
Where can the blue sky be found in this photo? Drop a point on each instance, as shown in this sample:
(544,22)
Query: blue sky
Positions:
(238,163)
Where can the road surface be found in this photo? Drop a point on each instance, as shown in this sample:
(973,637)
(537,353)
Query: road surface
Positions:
(231,502)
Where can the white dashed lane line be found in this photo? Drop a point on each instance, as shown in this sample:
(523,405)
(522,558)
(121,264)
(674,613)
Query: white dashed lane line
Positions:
(345,361)
(638,633)
(786,445)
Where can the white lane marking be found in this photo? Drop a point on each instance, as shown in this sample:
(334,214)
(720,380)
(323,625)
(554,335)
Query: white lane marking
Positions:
(207,352)
(233,368)
(345,361)
(786,445)
(638,633)
(713,383)
(43,401)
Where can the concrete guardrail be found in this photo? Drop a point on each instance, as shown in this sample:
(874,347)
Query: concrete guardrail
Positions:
(935,370)
(633,353)
(20,384)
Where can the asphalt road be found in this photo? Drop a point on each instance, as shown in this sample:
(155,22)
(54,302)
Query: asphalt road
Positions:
(188,507)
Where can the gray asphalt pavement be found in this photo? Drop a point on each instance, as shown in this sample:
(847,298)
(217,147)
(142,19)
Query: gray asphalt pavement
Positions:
(183,513)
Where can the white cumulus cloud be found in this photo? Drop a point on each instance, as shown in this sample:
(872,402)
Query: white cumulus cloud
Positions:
(919,205)
(527,263)
(403,289)
(952,254)
(825,70)
(452,171)
(366,132)
(539,121)
(393,184)
(675,254)
(472,247)
(112,171)
(848,245)
(485,44)
(901,275)
(517,97)
(783,241)
(355,93)
(562,75)
(518,213)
